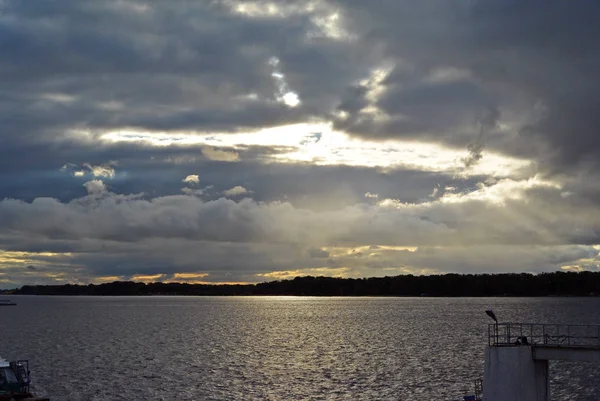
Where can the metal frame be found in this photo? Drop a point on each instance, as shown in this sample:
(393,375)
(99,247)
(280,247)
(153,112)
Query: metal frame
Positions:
(538,334)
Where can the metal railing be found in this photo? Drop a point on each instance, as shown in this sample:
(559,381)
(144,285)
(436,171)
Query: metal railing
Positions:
(551,335)
(478,389)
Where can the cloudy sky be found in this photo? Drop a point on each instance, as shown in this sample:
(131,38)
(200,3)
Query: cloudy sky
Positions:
(245,141)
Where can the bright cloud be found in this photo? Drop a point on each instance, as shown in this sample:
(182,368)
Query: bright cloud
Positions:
(235,191)
(192,179)
(103,170)
(95,186)
(220,155)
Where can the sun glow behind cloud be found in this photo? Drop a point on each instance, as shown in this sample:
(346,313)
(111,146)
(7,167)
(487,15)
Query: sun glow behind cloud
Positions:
(318,144)
(42,266)
(12,258)
(284,94)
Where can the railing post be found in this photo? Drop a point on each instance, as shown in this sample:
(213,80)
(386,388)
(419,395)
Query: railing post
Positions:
(496,333)
(531,340)
(544,334)
(521,330)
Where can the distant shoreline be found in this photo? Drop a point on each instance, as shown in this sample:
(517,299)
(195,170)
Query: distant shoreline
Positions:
(295,295)
(557,284)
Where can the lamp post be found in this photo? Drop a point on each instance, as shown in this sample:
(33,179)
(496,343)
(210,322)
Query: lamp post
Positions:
(491,314)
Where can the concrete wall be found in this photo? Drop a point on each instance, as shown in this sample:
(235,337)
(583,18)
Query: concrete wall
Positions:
(511,374)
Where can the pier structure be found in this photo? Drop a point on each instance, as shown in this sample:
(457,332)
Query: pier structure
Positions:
(517,357)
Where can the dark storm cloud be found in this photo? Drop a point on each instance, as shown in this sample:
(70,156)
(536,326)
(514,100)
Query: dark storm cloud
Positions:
(164,256)
(318,253)
(514,56)
(159,66)
(487,122)
(193,66)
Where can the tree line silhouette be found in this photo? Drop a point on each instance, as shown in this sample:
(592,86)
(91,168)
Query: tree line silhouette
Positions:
(447,285)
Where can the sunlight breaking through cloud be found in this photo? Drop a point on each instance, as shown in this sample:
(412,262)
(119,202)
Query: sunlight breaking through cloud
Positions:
(334,148)
(284,94)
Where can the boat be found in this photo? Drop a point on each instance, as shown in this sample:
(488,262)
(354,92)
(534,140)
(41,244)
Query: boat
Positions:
(7,302)
(15,380)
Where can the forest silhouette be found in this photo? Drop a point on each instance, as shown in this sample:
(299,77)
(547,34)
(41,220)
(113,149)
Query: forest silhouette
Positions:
(448,285)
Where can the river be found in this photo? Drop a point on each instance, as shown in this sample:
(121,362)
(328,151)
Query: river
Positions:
(273,348)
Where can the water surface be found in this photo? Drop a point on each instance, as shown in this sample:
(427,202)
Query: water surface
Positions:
(273,348)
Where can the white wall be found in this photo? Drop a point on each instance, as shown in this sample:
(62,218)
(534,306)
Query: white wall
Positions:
(511,374)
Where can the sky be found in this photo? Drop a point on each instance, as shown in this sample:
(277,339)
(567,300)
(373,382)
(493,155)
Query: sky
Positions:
(225,141)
